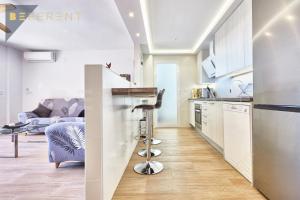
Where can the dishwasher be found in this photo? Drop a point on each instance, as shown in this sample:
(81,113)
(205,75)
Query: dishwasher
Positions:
(238,137)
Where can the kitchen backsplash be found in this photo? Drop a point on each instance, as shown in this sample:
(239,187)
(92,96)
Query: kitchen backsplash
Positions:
(239,86)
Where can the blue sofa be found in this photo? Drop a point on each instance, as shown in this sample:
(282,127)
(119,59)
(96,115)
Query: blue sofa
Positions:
(62,111)
(66,142)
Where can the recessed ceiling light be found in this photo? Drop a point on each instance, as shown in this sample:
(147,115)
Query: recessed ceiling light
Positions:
(131,14)
(138,34)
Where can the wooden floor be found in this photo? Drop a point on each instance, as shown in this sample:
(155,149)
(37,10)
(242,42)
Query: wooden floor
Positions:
(32,177)
(193,170)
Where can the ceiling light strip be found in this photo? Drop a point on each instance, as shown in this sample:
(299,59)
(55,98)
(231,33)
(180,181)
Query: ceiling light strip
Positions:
(213,23)
(143,4)
(172,51)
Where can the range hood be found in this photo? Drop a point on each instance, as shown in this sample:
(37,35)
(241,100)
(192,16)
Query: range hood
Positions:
(209,67)
(208,64)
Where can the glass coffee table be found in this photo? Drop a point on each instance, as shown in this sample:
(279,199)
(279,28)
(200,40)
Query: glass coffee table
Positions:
(15,129)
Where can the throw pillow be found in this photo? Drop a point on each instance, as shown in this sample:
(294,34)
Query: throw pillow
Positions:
(42,111)
(81,114)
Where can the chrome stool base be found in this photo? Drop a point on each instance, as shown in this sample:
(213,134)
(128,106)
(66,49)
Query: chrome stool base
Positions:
(148,168)
(154,141)
(154,152)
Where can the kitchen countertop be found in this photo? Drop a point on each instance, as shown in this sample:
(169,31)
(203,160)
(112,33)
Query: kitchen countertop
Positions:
(233,99)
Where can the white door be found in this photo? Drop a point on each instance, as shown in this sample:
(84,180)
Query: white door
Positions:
(166,76)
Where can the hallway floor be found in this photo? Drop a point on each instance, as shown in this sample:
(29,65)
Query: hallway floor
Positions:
(193,170)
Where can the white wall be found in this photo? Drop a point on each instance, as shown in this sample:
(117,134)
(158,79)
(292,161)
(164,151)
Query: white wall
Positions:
(229,87)
(111,129)
(65,78)
(10,84)
(138,68)
(187,77)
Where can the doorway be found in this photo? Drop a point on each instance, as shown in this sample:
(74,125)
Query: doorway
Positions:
(166,78)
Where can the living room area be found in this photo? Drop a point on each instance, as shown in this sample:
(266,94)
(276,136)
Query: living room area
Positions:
(42,91)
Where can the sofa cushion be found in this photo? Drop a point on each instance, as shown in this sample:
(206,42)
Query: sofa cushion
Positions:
(42,111)
(75,106)
(59,107)
(81,114)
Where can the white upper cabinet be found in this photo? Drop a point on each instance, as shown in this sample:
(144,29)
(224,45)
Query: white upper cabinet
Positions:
(247,9)
(220,52)
(233,41)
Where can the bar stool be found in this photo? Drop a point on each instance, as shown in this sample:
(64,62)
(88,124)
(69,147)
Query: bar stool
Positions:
(154,141)
(149,167)
(145,107)
(142,127)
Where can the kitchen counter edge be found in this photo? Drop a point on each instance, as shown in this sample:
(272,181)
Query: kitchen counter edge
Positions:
(243,99)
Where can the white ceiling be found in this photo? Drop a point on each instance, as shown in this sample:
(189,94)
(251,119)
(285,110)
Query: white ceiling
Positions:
(135,24)
(98,27)
(178,24)
(175,26)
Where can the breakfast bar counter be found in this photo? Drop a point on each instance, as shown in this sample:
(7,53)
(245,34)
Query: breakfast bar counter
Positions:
(137,92)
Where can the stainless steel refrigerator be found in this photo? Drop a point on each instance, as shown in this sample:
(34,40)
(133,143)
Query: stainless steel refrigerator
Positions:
(276,116)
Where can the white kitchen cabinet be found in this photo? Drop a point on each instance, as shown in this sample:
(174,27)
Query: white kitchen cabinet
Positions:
(212,122)
(247,10)
(192,113)
(219,140)
(220,52)
(204,118)
(233,41)
(237,137)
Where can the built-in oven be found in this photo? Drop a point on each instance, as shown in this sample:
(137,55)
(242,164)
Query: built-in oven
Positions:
(198,116)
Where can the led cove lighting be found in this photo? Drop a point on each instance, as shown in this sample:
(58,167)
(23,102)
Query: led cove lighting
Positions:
(143,4)
(214,22)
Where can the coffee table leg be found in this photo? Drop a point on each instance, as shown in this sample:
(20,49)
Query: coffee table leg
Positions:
(16,145)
